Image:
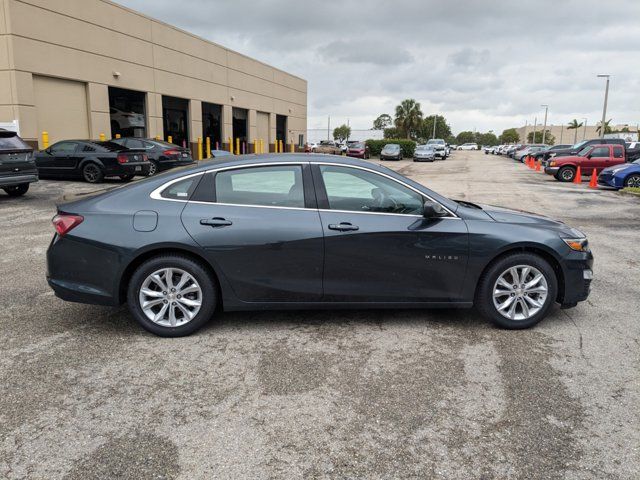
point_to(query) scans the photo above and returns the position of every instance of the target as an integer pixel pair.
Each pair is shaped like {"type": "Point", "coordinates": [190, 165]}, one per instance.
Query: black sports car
{"type": "Point", "coordinates": [91, 160]}
{"type": "Point", "coordinates": [284, 231]}
{"type": "Point", "coordinates": [162, 155]}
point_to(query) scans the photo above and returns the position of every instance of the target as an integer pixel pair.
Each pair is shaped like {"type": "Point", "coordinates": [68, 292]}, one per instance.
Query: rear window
{"type": "Point", "coordinates": [12, 142]}
{"type": "Point", "coordinates": [182, 189]}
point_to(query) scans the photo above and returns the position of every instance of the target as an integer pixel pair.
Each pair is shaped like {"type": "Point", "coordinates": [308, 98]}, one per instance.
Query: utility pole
{"type": "Point", "coordinates": [535, 124]}
{"type": "Point", "coordinates": [328, 126]}
{"type": "Point", "coordinates": [544, 129]}
{"type": "Point", "coordinates": [604, 108]}
{"type": "Point", "coordinates": [561, 132]}
{"type": "Point", "coordinates": [435, 120]}
{"type": "Point", "coordinates": [584, 132]}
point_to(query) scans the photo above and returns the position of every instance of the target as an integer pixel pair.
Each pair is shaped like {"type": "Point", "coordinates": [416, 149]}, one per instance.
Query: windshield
{"type": "Point", "coordinates": [392, 146]}
{"type": "Point", "coordinates": [435, 141]}
{"type": "Point", "coordinates": [579, 145]}
{"type": "Point", "coordinates": [422, 148]}
{"type": "Point", "coordinates": [13, 142]}
{"type": "Point", "coordinates": [357, 145]}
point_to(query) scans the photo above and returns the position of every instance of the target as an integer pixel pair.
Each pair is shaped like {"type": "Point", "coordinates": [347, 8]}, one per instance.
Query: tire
{"type": "Point", "coordinates": [92, 173]}
{"type": "Point", "coordinates": [153, 168]}
{"type": "Point", "coordinates": [566, 174]}
{"type": "Point", "coordinates": [486, 305]}
{"type": "Point", "coordinates": [17, 190]}
{"type": "Point", "coordinates": [207, 296]}
{"type": "Point", "coordinates": [127, 178]}
{"type": "Point", "coordinates": [632, 180]}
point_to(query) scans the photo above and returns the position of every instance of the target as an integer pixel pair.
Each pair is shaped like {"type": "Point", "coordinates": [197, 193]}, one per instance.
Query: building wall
{"type": "Point", "coordinates": [566, 136]}
{"type": "Point", "coordinates": [104, 44]}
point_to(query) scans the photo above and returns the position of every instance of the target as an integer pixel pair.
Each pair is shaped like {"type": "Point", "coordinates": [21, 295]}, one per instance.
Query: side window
{"type": "Point", "coordinates": [358, 190]}
{"type": "Point", "coordinates": [618, 152]}
{"type": "Point", "coordinates": [600, 152]}
{"type": "Point", "coordinates": [133, 143]}
{"type": "Point", "coordinates": [181, 190]}
{"type": "Point", "coordinates": [63, 148]}
{"type": "Point", "coordinates": [273, 186]}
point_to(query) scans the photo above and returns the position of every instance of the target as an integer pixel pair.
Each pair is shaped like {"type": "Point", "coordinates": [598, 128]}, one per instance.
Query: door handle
{"type": "Point", "coordinates": [216, 222]}
{"type": "Point", "coordinates": [343, 227]}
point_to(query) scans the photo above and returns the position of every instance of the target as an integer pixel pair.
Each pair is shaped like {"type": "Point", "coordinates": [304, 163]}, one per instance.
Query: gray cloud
{"type": "Point", "coordinates": [484, 65]}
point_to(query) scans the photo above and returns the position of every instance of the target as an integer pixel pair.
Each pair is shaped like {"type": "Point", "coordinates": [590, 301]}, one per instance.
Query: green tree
{"type": "Point", "coordinates": [510, 135]}
{"type": "Point", "coordinates": [488, 138]}
{"type": "Point", "coordinates": [574, 125]}
{"type": "Point", "coordinates": [548, 138]}
{"type": "Point", "coordinates": [451, 140]}
{"type": "Point", "coordinates": [408, 118]}
{"type": "Point", "coordinates": [465, 137]}
{"type": "Point", "coordinates": [443, 130]}
{"type": "Point", "coordinates": [341, 133]}
{"type": "Point", "coordinates": [393, 132]}
{"type": "Point", "coordinates": [607, 128]}
{"type": "Point", "coordinates": [382, 122]}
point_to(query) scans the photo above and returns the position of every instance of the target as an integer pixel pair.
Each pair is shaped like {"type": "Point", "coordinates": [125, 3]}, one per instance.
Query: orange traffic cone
{"type": "Point", "coordinates": [528, 161]}
{"type": "Point", "coordinates": [578, 178]}
{"type": "Point", "coordinates": [593, 183]}
{"type": "Point", "coordinates": [538, 166]}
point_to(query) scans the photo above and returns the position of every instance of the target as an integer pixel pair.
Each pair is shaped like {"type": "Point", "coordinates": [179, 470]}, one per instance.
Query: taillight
{"type": "Point", "coordinates": [171, 152]}
{"type": "Point", "coordinates": [123, 158]}
{"type": "Point", "coordinates": [64, 222]}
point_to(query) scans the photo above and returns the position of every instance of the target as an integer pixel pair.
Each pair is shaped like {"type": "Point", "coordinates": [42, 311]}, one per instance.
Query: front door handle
{"type": "Point", "coordinates": [344, 227]}
{"type": "Point", "coordinates": [216, 222]}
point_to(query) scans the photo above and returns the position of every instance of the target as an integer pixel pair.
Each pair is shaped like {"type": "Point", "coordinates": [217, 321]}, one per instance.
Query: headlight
{"type": "Point", "coordinates": [552, 164]}
{"type": "Point", "coordinates": [577, 244]}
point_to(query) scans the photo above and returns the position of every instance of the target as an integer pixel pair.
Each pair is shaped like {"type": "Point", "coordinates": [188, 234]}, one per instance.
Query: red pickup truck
{"type": "Point", "coordinates": [590, 157]}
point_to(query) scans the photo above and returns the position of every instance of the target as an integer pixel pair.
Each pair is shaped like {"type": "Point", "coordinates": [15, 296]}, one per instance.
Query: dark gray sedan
{"type": "Point", "coordinates": [287, 231]}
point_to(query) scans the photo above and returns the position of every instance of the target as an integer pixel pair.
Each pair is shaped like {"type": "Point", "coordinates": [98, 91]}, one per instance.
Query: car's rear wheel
{"type": "Point", "coordinates": [92, 173]}
{"type": "Point", "coordinates": [172, 295]}
{"type": "Point", "coordinates": [566, 174]}
{"type": "Point", "coordinates": [17, 190]}
{"type": "Point", "coordinates": [517, 291]}
{"type": "Point", "coordinates": [632, 180]}
{"type": "Point", "coordinates": [153, 168]}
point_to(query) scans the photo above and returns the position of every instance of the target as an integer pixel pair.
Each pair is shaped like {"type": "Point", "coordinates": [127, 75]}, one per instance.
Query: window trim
{"type": "Point", "coordinates": [155, 194]}
{"type": "Point", "coordinates": [75, 150]}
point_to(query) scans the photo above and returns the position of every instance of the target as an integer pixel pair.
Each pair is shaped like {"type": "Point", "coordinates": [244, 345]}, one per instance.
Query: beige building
{"type": "Point", "coordinates": [81, 68]}
{"type": "Point", "coordinates": [563, 135]}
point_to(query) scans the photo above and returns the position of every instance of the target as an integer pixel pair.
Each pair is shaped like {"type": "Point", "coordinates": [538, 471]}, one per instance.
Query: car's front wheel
{"type": "Point", "coordinates": [17, 190]}
{"type": "Point", "coordinates": [517, 291]}
{"type": "Point", "coordinates": [632, 181]}
{"type": "Point", "coordinates": [172, 295]}
{"type": "Point", "coordinates": [566, 174]}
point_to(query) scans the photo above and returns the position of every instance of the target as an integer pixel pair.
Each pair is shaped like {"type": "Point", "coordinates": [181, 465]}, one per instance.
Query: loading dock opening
{"type": "Point", "coordinates": [212, 124]}
{"type": "Point", "coordinates": [281, 128]}
{"type": "Point", "coordinates": [127, 110]}
{"type": "Point", "coordinates": [175, 117]}
{"type": "Point", "coordinates": [240, 120]}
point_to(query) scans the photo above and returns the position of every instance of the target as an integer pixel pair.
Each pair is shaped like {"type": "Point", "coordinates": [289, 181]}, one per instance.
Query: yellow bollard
{"type": "Point", "coordinates": [170, 139]}
{"type": "Point", "coordinates": [158, 137]}
{"type": "Point", "coordinates": [281, 147]}
{"type": "Point", "coordinates": [255, 145]}
{"type": "Point", "coordinates": [199, 148]}
{"type": "Point", "coordinates": [292, 148]}
{"type": "Point", "coordinates": [208, 147]}
{"type": "Point", "coordinates": [102, 137]}
{"type": "Point", "coordinates": [261, 146]}
{"type": "Point", "coordinates": [45, 140]}
{"type": "Point", "coordinates": [118, 135]}
{"type": "Point", "coordinates": [231, 144]}
{"type": "Point", "coordinates": [238, 146]}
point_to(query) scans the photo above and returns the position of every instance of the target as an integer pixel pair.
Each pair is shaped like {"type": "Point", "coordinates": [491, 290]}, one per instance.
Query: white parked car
{"type": "Point", "coordinates": [439, 146]}
{"type": "Point", "coordinates": [124, 120]}
{"type": "Point", "coordinates": [468, 146]}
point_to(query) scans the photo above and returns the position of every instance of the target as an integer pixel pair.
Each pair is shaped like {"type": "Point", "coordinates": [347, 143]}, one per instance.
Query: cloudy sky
{"type": "Point", "coordinates": [487, 65]}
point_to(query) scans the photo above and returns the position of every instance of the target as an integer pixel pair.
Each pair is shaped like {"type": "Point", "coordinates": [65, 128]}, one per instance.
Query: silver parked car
{"type": "Point", "coordinates": [424, 153]}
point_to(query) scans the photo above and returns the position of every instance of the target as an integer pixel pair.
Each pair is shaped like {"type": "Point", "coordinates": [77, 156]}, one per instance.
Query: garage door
{"type": "Point", "coordinates": [61, 107]}
{"type": "Point", "coordinates": [262, 124]}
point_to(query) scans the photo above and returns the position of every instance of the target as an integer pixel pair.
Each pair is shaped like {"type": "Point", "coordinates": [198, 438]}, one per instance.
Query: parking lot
{"type": "Point", "coordinates": [86, 393]}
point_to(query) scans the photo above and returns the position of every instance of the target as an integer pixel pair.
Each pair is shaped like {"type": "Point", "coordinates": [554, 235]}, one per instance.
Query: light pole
{"type": "Point", "coordinates": [535, 125]}
{"type": "Point", "coordinates": [604, 108]}
{"type": "Point", "coordinates": [435, 120]}
{"type": "Point", "coordinates": [584, 132]}
{"type": "Point", "coordinates": [544, 129]}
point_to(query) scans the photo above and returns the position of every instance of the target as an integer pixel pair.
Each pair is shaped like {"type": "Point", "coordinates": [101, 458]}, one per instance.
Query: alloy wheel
{"type": "Point", "coordinates": [170, 297]}
{"type": "Point", "coordinates": [567, 174]}
{"type": "Point", "coordinates": [153, 169]}
{"type": "Point", "coordinates": [91, 173]}
{"type": "Point", "coordinates": [520, 292]}
{"type": "Point", "coordinates": [633, 181]}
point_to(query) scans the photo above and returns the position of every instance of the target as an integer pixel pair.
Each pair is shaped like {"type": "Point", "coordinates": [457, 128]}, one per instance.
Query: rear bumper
{"type": "Point", "coordinates": [167, 163]}
{"type": "Point", "coordinates": [11, 180]}
{"type": "Point", "coordinates": [138, 168]}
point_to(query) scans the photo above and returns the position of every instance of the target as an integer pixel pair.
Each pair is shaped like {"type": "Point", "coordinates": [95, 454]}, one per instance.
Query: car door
{"type": "Point", "coordinates": [378, 246]}
{"type": "Point", "coordinates": [58, 159]}
{"type": "Point", "coordinates": [598, 159]}
{"type": "Point", "coordinates": [260, 226]}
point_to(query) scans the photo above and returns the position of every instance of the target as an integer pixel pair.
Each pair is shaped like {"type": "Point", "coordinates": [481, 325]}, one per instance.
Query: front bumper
{"type": "Point", "coordinates": [421, 158]}
{"type": "Point", "coordinates": [551, 170]}
{"type": "Point", "coordinates": [578, 273]}
{"type": "Point", "coordinates": [609, 180]}
{"type": "Point", "coordinates": [11, 180]}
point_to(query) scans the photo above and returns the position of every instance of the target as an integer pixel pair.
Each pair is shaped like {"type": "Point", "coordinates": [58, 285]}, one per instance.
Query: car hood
{"type": "Point", "coordinates": [621, 168]}
{"type": "Point", "coordinates": [506, 215]}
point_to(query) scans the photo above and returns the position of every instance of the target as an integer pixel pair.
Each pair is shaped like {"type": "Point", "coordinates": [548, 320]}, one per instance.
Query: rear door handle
{"type": "Point", "coordinates": [216, 222]}
{"type": "Point", "coordinates": [343, 227]}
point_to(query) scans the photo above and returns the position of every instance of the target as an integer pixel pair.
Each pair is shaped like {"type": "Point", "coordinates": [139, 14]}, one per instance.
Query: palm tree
{"type": "Point", "coordinates": [408, 117]}
{"type": "Point", "coordinates": [607, 128]}
{"type": "Point", "coordinates": [574, 125]}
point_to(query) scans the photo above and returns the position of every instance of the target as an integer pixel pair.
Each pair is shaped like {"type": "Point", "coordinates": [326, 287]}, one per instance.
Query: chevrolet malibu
{"type": "Point", "coordinates": [291, 231]}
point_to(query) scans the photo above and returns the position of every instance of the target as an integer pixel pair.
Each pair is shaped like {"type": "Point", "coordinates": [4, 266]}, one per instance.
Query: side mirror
{"type": "Point", "coordinates": [433, 210]}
